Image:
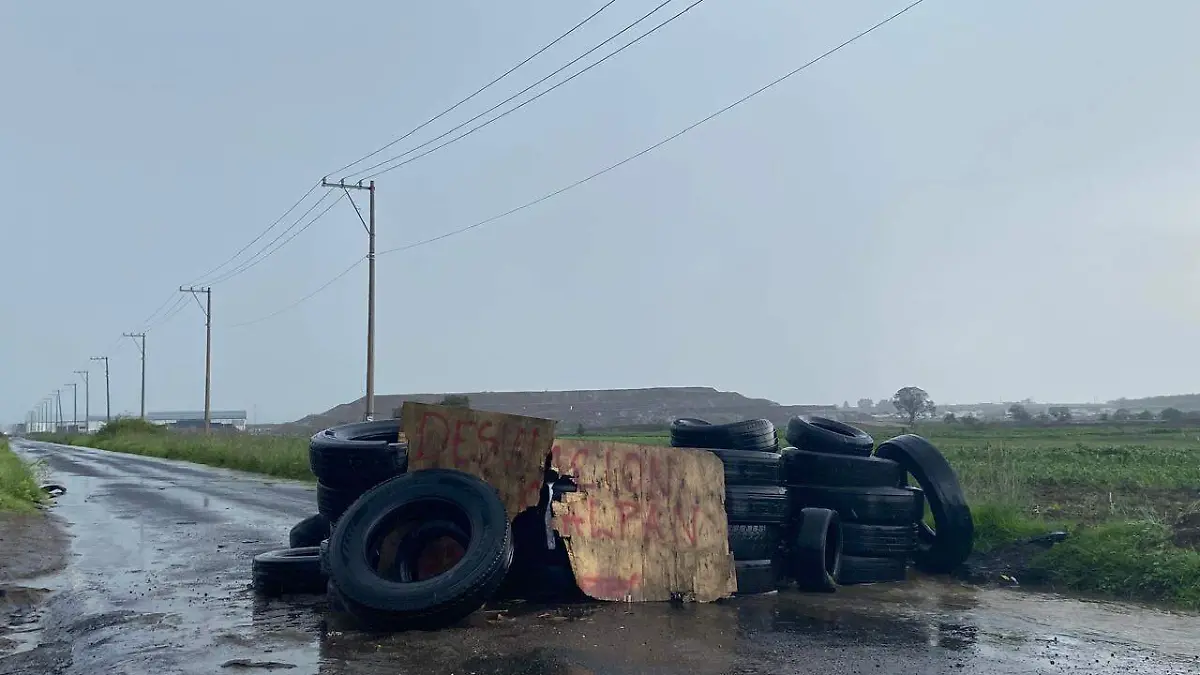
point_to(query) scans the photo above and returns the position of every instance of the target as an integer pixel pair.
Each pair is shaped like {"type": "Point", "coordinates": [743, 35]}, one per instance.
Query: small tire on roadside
{"type": "Point", "coordinates": [756, 504]}
{"type": "Point", "coordinates": [804, 467]}
{"type": "Point", "coordinates": [879, 541]}
{"type": "Point", "coordinates": [755, 577]}
{"type": "Point", "coordinates": [755, 435]}
{"type": "Point", "coordinates": [288, 571]}
{"type": "Point", "coordinates": [387, 602]}
{"type": "Point", "coordinates": [948, 544]}
{"type": "Point", "coordinates": [862, 570]}
{"type": "Point", "coordinates": [754, 542]}
{"type": "Point", "coordinates": [309, 532]}
{"type": "Point", "coordinates": [878, 506]}
{"type": "Point", "coordinates": [815, 553]}
{"type": "Point", "coordinates": [821, 434]}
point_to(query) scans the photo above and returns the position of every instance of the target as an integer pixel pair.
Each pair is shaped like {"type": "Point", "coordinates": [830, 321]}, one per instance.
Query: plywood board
{"type": "Point", "coordinates": [647, 524]}
{"type": "Point", "coordinates": [507, 451]}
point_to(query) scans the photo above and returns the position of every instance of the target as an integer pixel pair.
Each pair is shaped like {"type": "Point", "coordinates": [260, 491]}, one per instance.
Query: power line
{"type": "Point", "coordinates": [253, 261]}
{"type": "Point", "coordinates": [659, 144]}
{"type": "Point", "coordinates": [260, 235]}
{"type": "Point", "coordinates": [519, 93]}
{"type": "Point", "coordinates": [323, 286]}
{"type": "Point", "coordinates": [477, 91]}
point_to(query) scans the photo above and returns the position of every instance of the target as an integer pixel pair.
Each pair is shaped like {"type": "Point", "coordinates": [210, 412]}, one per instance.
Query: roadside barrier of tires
{"type": "Point", "coordinates": [399, 550]}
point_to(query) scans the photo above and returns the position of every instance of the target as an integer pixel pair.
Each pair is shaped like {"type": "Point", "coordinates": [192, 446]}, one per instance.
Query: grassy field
{"type": "Point", "coordinates": [1120, 491]}
{"type": "Point", "coordinates": [19, 490]}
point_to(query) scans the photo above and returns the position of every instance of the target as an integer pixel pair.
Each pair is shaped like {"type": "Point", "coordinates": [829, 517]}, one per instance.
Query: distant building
{"type": "Point", "coordinates": [194, 419]}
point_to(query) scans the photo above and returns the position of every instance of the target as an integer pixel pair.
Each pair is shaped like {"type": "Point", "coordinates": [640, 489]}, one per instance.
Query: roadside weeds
{"type": "Point", "coordinates": [19, 491]}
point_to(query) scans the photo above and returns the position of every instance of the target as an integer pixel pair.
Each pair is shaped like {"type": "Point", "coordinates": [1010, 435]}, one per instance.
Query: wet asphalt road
{"type": "Point", "coordinates": [158, 582]}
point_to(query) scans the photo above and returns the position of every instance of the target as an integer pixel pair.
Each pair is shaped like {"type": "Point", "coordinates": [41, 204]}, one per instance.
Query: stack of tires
{"type": "Point", "coordinates": [348, 460]}
{"type": "Point", "coordinates": [830, 466]}
{"type": "Point", "coordinates": [755, 500]}
{"type": "Point", "coordinates": [835, 466]}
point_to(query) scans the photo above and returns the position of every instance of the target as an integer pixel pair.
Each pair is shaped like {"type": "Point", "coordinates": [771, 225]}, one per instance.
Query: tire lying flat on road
{"type": "Point", "coordinates": [750, 467]}
{"type": "Point", "coordinates": [288, 571]}
{"type": "Point", "coordinates": [380, 598]}
{"type": "Point", "coordinates": [802, 467]}
{"type": "Point", "coordinates": [758, 435]}
{"type": "Point", "coordinates": [821, 434]}
{"type": "Point", "coordinates": [753, 542]}
{"type": "Point", "coordinates": [879, 506]}
{"type": "Point", "coordinates": [948, 544]}
{"type": "Point", "coordinates": [756, 504]}
{"type": "Point", "coordinates": [879, 541]}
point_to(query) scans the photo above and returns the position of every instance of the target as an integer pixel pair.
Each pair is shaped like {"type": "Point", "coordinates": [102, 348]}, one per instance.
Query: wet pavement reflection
{"type": "Point", "coordinates": [159, 582]}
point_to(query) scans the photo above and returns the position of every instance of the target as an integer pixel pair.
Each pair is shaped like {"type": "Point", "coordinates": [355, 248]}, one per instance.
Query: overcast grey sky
{"type": "Point", "coordinates": [985, 199]}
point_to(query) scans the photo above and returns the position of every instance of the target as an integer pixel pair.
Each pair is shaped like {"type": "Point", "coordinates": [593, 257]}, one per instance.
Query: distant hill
{"type": "Point", "coordinates": [594, 408]}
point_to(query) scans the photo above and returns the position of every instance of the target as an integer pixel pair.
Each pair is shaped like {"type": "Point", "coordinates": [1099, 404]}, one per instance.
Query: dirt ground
{"type": "Point", "coordinates": [32, 545]}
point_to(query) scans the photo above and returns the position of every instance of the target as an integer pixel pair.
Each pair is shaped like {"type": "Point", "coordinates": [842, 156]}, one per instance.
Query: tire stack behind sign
{"type": "Point", "coordinates": [755, 501]}
{"type": "Point", "coordinates": [831, 467]}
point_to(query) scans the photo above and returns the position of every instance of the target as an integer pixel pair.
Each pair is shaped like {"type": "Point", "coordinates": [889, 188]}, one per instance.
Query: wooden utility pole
{"type": "Point", "coordinates": [107, 390]}
{"type": "Point", "coordinates": [58, 413]}
{"type": "Point", "coordinates": [206, 307]}
{"type": "Point", "coordinates": [87, 401]}
{"type": "Point", "coordinates": [142, 349]}
{"type": "Point", "coordinates": [369, 226]}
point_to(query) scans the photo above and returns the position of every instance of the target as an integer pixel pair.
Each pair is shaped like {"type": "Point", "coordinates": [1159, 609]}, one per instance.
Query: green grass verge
{"type": "Point", "coordinates": [19, 491]}
{"type": "Point", "coordinates": [1118, 490]}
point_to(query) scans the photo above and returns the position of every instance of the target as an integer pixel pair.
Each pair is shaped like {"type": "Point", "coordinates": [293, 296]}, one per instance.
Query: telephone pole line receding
{"type": "Point", "coordinates": [207, 309]}
{"type": "Point", "coordinates": [87, 400]}
{"type": "Point", "coordinates": [107, 390]}
{"type": "Point", "coordinates": [369, 226]}
{"type": "Point", "coordinates": [58, 412]}
{"type": "Point", "coordinates": [142, 349]}
{"type": "Point", "coordinates": [74, 405]}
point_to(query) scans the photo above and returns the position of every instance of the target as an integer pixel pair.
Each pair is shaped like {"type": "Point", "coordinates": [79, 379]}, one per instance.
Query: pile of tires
{"type": "Point", "coordinates": [835, 467]}
{"type": "Point", "coordinates": [755, 501]}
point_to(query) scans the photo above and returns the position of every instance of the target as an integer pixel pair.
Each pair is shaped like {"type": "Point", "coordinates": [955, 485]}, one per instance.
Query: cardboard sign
{"type": "Point", "coordinates": [647, 524]}
{"type": "Point", "coordinates": [507, 451]}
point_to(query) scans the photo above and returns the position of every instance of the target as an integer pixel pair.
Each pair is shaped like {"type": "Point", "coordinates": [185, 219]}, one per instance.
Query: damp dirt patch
{"type": "Point", "coordinates": [33, 544]}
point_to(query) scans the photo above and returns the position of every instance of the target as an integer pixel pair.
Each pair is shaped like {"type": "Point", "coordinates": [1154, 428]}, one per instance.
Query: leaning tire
{"type": "Point", "coordinates": [803, 467]}
{"type": "Point", "coordinates": [288, 571]}
{"type": "Point", "coordinates": [821, 434]}
{"type": "Point", "coordinates": [755, 577]}
{"type": "Point", "coordinates": [754, 542]}
{"type": "Point", "coordinates": [358, 455]}
{"type": "Point", "coordinates": [309, 532]}
{"type": "Point", "coordinates": [333, 502]}
{"type": "Point", "coordinates": [879, 506]}
{"type": "Point", "coordinates": [860, 570]}
{"type": "Point", "coordinates": [815, 555]}
{"type": "Point", "coordinates": [756, 504]}
{"type": "Point", "coordinates": [385, 601]}
{"type": "Point", "coordinates": [750, 467]}
{"type": "Point", "coordinates": [948, 544]}
{"type": "Point", "coordinates": [879, 541]}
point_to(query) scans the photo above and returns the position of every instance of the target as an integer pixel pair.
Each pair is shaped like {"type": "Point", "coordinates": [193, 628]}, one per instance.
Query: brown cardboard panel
{"type": "Point", "coordinates": [647, 524]}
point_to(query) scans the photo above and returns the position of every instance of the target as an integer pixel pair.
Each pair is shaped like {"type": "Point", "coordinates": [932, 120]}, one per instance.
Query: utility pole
{"type": "Point", "coordinates": [75, 407]}
{"type": "Point", "coordinates": [142, 349]}
{"type": "Point", "coordinates": [107, 390]}
{"type": "Point", "coordinates": [206, 307]}
{"type": "Point", "coordinates": [370, 228]}
{"type": "Point", "coordinates": [58, 414]}
{"type": "Point", "coordinates": [87, 400]}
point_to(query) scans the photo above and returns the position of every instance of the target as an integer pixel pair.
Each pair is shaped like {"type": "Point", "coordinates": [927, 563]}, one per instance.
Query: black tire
{"type": "Point", "coordinates": [309, 532]}
{"type": "Point", "coordinates": [432, 603]}
{"type": "Point", "coordinates": [755, 577]}
{"type": "Point", "coordinates": [878, 506]}
{"type": "Point", "coordinates": [879, 541]}
{"type": "Point", "coordinates": [415, 542]}
{"type": "Point", "coordinates": [359, 455]}
{"type": "Point", "coordinates": [943, 549]}
{"type": "Point", "coordinates": [802, 467]}
{"type": "Point", "coordinates": [821, 434]}
{"type": "Point", "coordinates": [288, 571]}
{"type": "Point", "coordinates": [815, 554]}
{"type": "Point", "coordinates": [750, 467]}
{"type": "Point", "coordinates": [333, 502]}
{"type": "Point", "coordinates": [860, 570]}
{"type": "Point", "coordinates": [756, 504]}
{"type": "Point", "coordinates": [754, 542]}
{"type": "Point", "coordinates": [758, 435]}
